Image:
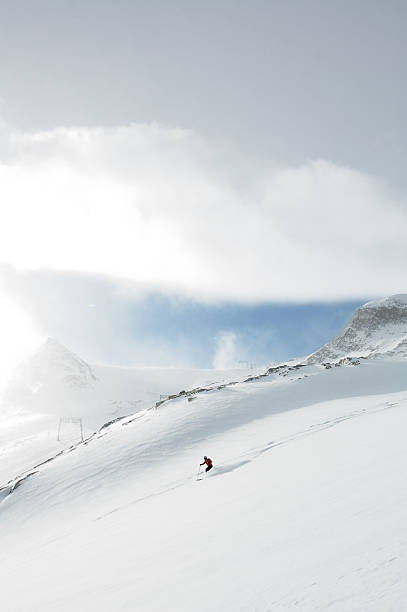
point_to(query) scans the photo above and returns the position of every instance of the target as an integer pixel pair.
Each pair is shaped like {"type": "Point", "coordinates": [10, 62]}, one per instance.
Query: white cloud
{"type": "Point", "coordinates": [226, 351]}
{"type": "Point", "coordinates": [157, 206]}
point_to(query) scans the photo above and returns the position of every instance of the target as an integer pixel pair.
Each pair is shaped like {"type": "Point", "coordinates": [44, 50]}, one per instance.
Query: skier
{"type": "Point", "coordinates": [208, 463]}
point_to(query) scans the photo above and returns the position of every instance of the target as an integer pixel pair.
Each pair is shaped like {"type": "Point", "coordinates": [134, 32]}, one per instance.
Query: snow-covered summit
{"type": "Point", "coordinates": [52, 379]}
{"type": "Point", "coordinates": [399, 300]}
{"type": "Point", "coordinates": [379, 327]}
{"type": "Point", "coordinates": [50, 364]}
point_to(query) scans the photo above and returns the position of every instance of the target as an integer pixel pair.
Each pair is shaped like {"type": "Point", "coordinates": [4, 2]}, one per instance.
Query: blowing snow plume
{"type": "Point", "coordinates": [226, 353]}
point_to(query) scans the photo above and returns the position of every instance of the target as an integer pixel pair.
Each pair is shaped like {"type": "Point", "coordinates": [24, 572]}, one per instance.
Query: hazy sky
{"type": "Point", "coordinates": [225, 155]}
{"type": "Point", "coordinates": [278, 81]}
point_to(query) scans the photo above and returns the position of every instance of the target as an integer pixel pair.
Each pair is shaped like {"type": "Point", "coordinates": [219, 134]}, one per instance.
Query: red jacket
{"type": "Point", "coordinates": [208, 462]}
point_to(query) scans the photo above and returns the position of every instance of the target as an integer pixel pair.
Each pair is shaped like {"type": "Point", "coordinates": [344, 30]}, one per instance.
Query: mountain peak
{"type": "Point", "coordinates": [50, 371]}
{"type": "Point", "coordinates": [52, 342]}
{"type": "Point", "coordinates": [51, 346]}
{"type": "Point", "coordinates": [399, 300]}
{"type": "Point", "coordinates": [379, 327]}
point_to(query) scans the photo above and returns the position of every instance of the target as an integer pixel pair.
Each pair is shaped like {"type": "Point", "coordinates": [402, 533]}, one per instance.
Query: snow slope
{"type": "Point", "coordinates": [306, 508]}
{"type": "Point", "coordinates": [26, 439]}
{"type": "Point", "coordinates": [54, 383]}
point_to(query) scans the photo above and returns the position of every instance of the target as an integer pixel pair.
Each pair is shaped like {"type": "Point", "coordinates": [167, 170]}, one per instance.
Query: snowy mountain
{"type": "Point", "coordinates": [55, 383]}
{"type": "Point", "coordinates": [377, 328]}
{"type": "Point", "coordinates": [51, 366]}
{"type": "Point", "coordinates": [305, 508]}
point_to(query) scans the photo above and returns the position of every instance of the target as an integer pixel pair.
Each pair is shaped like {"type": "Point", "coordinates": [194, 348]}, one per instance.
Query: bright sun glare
{"type": "Point", "coordinates": [18, 337]}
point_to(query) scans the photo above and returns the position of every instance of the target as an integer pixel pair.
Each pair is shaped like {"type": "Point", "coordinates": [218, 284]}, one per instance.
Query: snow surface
{"type": "Point", "coordinates": [305, 509]}
{"type": "Point", "coordinates": [26, 439]}
{"type": "Point", "coordinates": [54, 383]}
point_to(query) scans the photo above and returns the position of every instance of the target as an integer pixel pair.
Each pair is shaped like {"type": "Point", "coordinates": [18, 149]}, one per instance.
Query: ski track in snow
{"type": "Point", "coordinates": [304, 509]}
{"type": "Point", "coordinates": [254, 453]}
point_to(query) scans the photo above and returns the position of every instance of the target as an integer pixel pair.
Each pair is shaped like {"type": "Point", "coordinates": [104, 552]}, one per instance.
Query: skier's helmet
{"type": "Point", "coordinates": [205, 457]}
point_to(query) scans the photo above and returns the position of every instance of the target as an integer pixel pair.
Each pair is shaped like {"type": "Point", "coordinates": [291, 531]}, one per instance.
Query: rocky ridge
{"type": "Point", "coordinates": [378, 328]}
